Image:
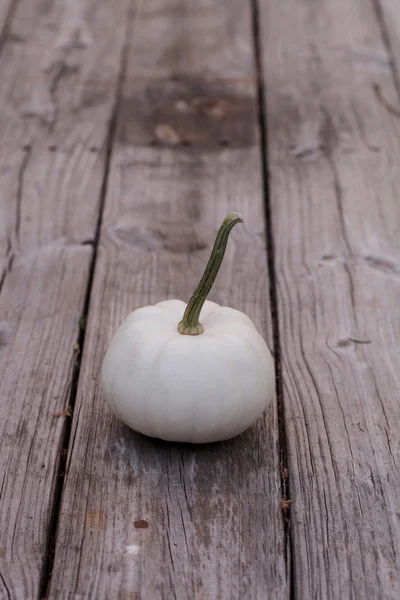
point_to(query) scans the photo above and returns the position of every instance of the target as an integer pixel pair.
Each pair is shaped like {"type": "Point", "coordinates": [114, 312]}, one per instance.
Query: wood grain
{"type": "Point", "coordinates": [40, 304]}
{"type": "Point", "coordinates": [214, 526]}
{"type": "Point", "coordinates": [7, 10]}
{"type": "Point", "coordinates": [53, 125]}
{"type": "Point", "coordinates": [389, 15]}
{"type": "Point", "coordinates": [334, 152]}
{"type": "Point", "coordinates": [59, 73]}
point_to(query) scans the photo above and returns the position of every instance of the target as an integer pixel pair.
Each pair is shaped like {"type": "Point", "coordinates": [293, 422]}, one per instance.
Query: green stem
{"type": "Point", "coordinates": [190, 324]}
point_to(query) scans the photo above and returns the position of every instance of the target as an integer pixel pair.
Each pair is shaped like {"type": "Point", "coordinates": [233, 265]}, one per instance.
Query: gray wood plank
{"type": "Point", "coordinates": [59, 72]}
{"type": "Point", "coordinates": [213, 513]}
{"type": "Point", "coordinates": [334, 152]}
{"type": "Point", "coordinates": [40, 304]}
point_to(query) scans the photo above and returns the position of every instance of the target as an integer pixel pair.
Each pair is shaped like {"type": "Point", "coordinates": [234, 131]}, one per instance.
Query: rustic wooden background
{"type": "Point", "coordinates": [128, 129]}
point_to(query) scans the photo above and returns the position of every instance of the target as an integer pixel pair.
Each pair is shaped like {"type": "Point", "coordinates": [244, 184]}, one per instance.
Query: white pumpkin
{"type": "Point", "coordinates": [192, 382]}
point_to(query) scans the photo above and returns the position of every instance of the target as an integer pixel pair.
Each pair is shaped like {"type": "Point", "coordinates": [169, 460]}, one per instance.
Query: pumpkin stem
{"type": "Point", "coordinates": [190, 324]}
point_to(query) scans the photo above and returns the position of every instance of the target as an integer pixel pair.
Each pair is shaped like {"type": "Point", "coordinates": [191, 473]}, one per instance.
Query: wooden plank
{"type": "Point", "coordinates": [40, 304]}
{"type": "Point", "coordinates": [59, 73]}
{"type": "Point", "coordinates": [214, 526]}
{"type": "Point", "coordinates": [334, 152]}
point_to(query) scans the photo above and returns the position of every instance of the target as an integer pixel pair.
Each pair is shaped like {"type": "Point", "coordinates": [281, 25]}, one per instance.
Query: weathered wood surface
{"type": "Point", "coordinates": [145, 519]}
{"type": "Point", "coordinates": [186, 153]}
{"type": "Point", "coordinates": [388, 12]}
{"type": "Point", "coordinates": [53, 128]}
{"type": "Point", "coordinates": [7, 9]}
{"type": "Point", "coordinates": [334, 155]}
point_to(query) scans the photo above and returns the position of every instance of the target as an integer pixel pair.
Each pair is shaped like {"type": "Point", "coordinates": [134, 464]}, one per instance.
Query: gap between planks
{"type": "Point", "coordinates": [282, 434]}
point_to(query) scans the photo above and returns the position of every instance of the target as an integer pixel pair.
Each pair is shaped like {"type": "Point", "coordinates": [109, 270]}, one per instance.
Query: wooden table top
{"type": "Point", "coordinates": [128, 130]}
